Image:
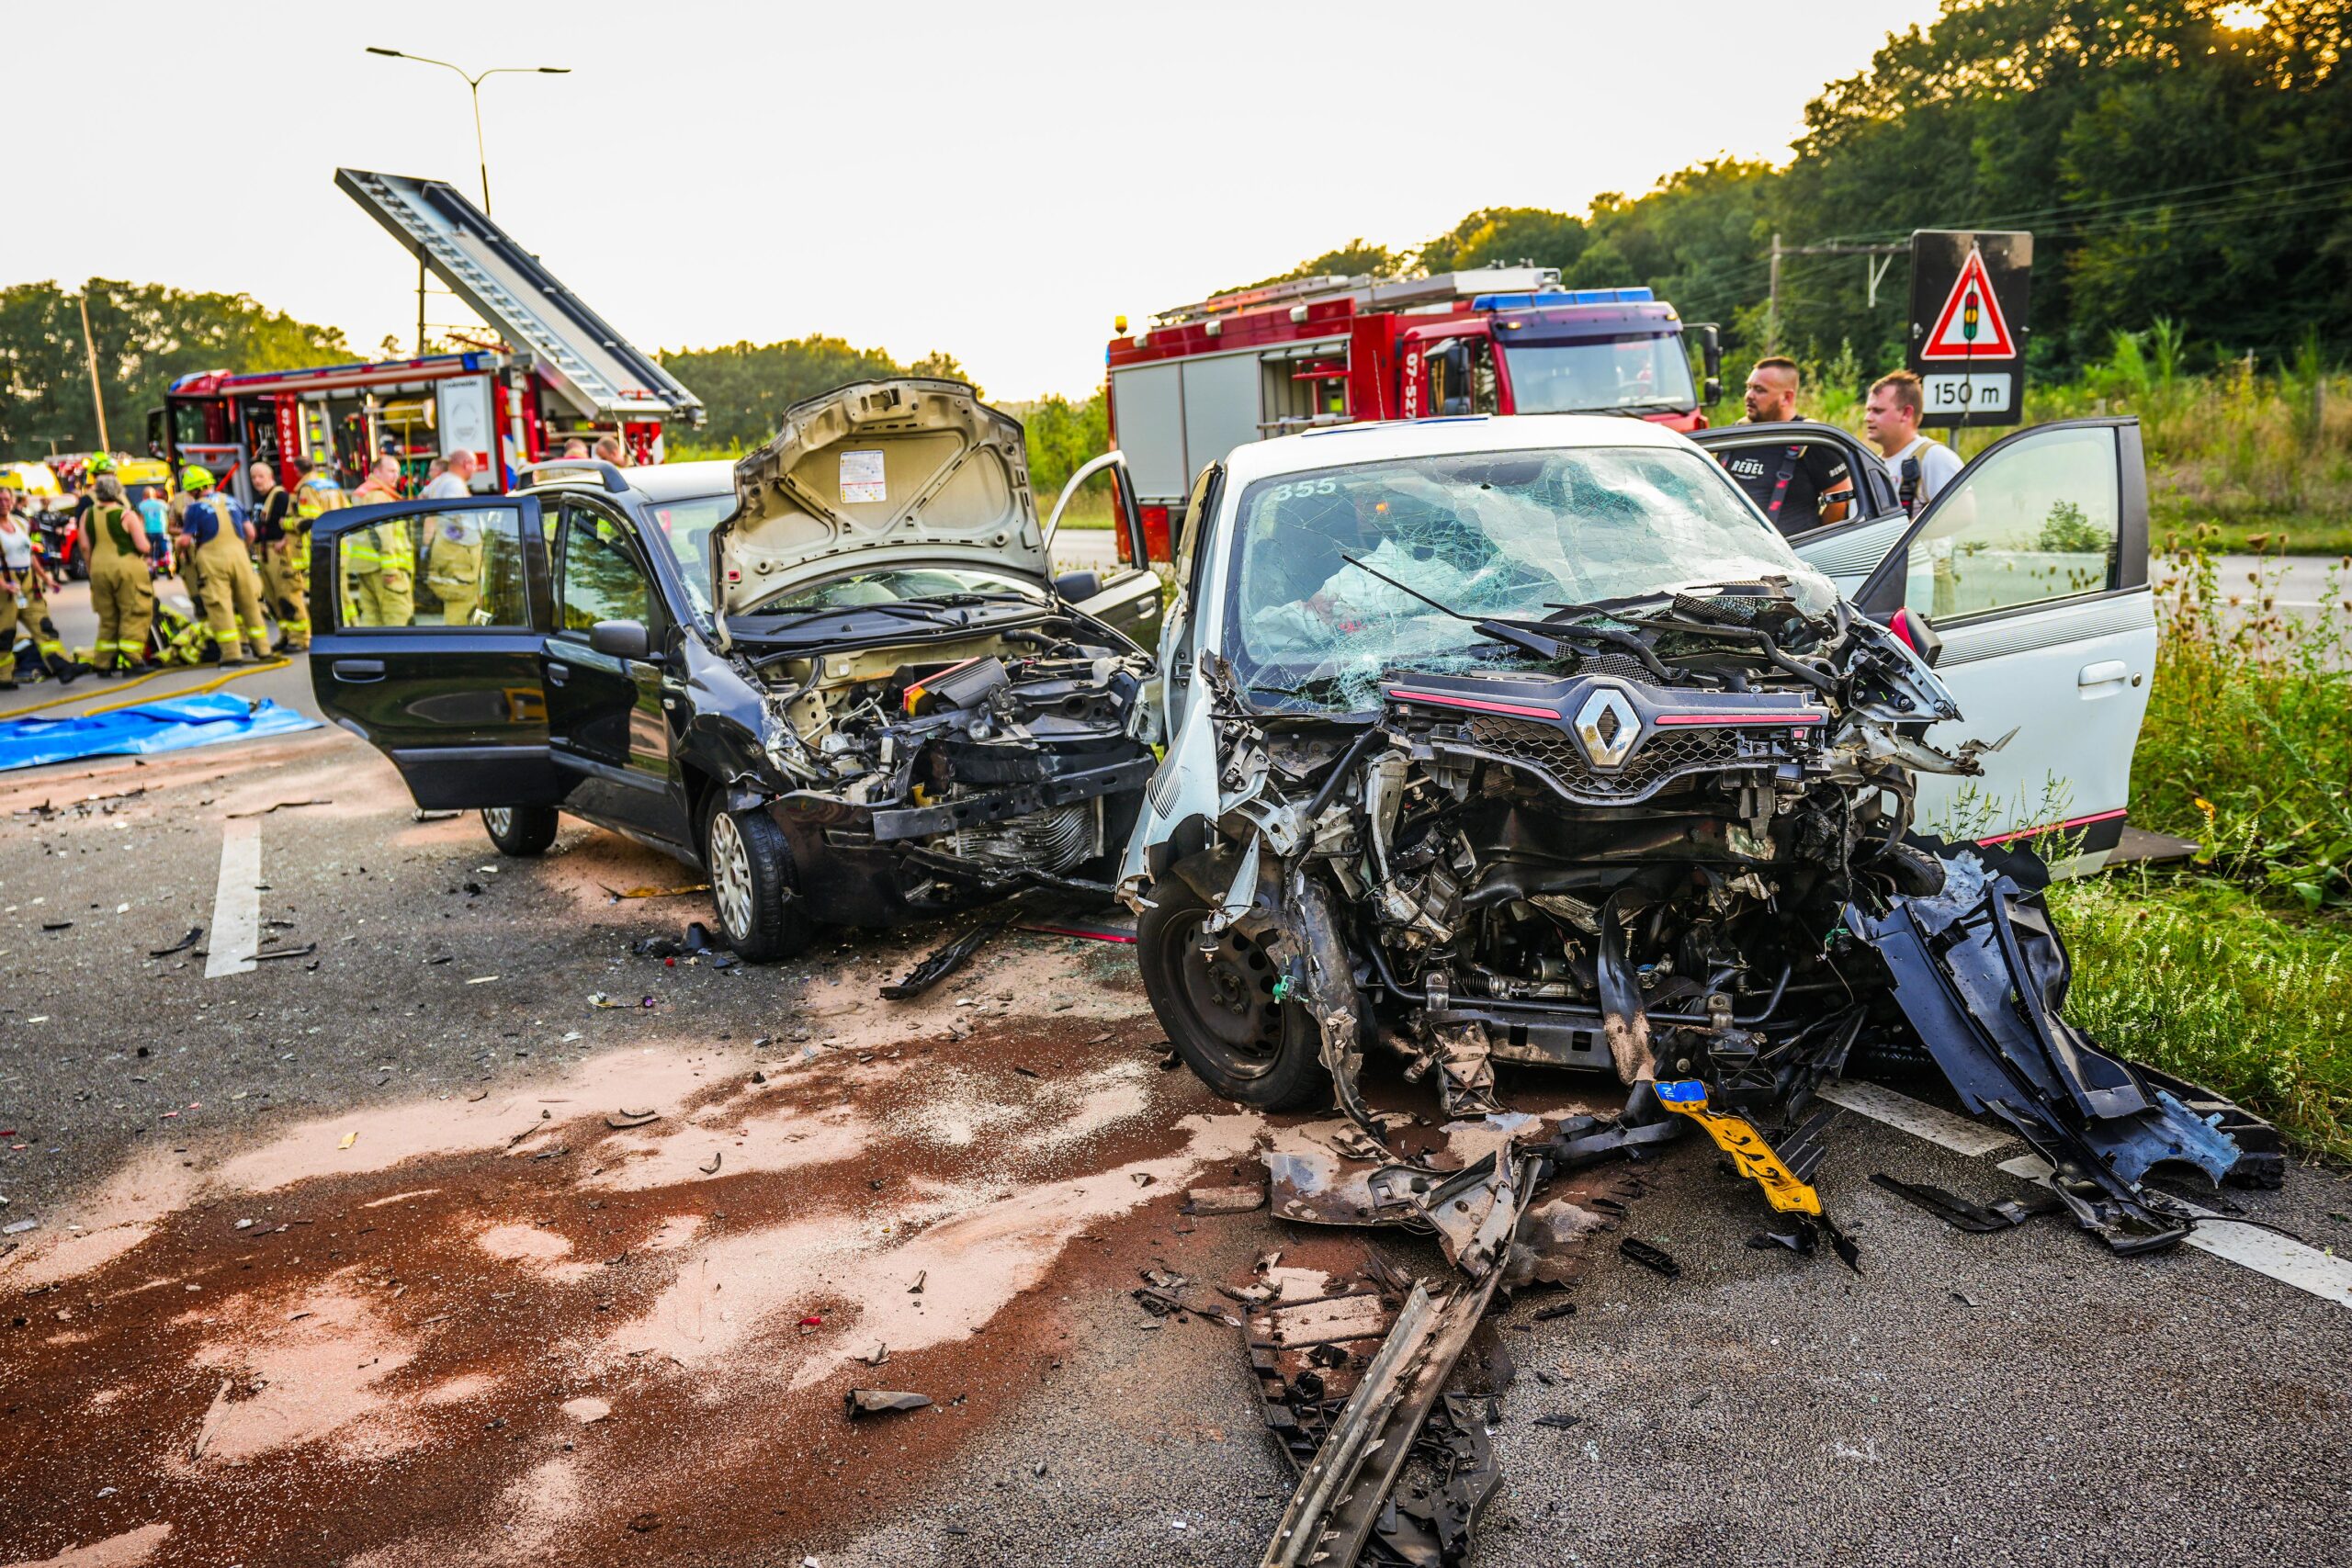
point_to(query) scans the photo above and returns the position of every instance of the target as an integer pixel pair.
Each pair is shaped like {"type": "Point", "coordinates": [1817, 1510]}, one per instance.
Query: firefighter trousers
{"type": "Point", "coordinates": [287, 585]}
{"type": "Point", "coordinates": [232, 596]}
{"type": "Point", "coordinates": [124, 596]}
{"type": "Point", "coordinates": [385, 598]}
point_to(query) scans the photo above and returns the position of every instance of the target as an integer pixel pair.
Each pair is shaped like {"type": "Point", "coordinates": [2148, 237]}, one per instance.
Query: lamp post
{"type": "Point", "coordinates": [474, 84]}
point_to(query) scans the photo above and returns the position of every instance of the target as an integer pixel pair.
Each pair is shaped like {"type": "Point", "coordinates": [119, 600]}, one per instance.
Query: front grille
{"type": "Point", "coordinates": [1664, 756]}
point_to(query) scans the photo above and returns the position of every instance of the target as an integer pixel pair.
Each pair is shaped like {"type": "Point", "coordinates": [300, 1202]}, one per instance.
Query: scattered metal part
{"type": "Point", "coordinates": [1235, 1199]}
{"type": "Point", "coordinates": [1655, 1259]}
{"type": "Point", "coordinates": [304, 951]}
{"type": "Point", "coordinates": [628, 1119]}
{"type": "Point", "coordinates": [944, 960]}
{"type": "Point", "coordinates": [195, 934]}
{"type": "Point", "coordinates": [860, 1402]}
{"type": "Point", "coordinates": [282, 806]}
{"type": "Point", "coordinates": [1960, 1215]}
{"type": "Point", "coordinates": [712, 1169]}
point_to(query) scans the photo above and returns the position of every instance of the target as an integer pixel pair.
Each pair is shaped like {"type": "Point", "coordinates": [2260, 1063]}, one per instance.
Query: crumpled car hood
{"type": "Point", "coordinates": [874, 474]}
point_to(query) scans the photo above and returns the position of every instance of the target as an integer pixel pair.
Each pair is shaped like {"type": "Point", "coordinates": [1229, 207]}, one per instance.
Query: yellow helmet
{"type": "Point", "coordinates": [194, 478]}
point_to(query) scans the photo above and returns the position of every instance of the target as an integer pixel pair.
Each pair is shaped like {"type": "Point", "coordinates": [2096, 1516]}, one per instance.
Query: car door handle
{"type": "Point", "coordinates": [2105, 672]}
{"type": "Point", "coordinates": [558, 673]}
{"type": "Point", "coordinates": [358, 669]}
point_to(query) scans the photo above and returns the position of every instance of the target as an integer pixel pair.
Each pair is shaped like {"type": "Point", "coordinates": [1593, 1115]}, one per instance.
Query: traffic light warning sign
{"type": "Point", "coordinates": [1968, 324]}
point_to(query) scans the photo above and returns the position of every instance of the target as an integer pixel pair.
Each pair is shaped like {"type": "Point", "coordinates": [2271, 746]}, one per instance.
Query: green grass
{"type": "Point", "coordinates": [2198, 976]}
{"type": "Point", "coordinates": [2236, 970]}
{"type": "Point", "coordinates": [2252, 531]}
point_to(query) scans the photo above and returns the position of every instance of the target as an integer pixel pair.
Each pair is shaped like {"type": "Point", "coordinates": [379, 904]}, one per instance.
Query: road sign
{"type": "Point", "coordinates": [1968, 324]}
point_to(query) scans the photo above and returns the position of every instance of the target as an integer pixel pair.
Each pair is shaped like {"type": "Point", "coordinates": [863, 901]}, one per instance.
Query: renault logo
{"type": "Point", "coordinates": [1607, 726]}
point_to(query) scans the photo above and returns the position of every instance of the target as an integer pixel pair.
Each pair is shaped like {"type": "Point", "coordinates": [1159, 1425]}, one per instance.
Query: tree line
{"type": "Point", "coordinates": [2181, 159]}
{"type": "Point", "coordinates": [146, 336]}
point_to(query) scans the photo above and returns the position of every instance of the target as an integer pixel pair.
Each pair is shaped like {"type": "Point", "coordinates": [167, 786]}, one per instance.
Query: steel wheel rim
{"type": "Point", "coordinates": [499, 819]}
{"type": "Point", "coordinates": [1228, 995]}
{"type": "Point", "coordinates": [730, 876]}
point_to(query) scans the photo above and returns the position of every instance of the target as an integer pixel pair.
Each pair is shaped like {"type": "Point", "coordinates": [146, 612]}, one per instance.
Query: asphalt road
{"type": "Point", "coordinates": [325, 1256]}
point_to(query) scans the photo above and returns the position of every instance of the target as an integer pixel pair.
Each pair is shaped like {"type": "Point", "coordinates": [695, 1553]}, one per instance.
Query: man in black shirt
{"type": "Point", "coordinates": [1802, 486]}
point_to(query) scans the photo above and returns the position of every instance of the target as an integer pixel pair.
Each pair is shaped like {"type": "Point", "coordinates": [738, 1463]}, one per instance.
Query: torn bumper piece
{"type": "Point", "coordinates": [1980, 974]}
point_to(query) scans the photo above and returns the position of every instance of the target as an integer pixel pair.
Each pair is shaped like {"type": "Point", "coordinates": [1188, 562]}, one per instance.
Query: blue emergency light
{"type": "Point", "coordinates": [1636, 295]}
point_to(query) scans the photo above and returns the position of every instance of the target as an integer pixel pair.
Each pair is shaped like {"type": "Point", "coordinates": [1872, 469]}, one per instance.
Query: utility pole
{"type": "Point", "coordinates": [419, 293]}
{"type": "Point", "coordinates": [90, 352]}
{"type": "Point", "coordinates": [1873, 274]}
{"type": "Point", "coordinates": [1772, 310]}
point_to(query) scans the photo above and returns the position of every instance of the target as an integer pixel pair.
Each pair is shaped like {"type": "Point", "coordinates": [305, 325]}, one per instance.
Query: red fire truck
{"type": "Point", "coordinates": [1201, 380]}
{"type": "Point", "coordinates": [557, 370]}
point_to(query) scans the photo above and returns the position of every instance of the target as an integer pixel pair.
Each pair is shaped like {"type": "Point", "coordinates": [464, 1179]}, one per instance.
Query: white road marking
{"type": "Point", "coordinates": [2249, 1246]}
{"type": "Point", "coordinates": [236, 904]}
{"type": "Point", "coordinates": [1916, 1117]}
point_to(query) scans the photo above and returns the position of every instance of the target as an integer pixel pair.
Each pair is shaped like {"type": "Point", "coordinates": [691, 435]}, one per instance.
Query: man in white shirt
{"type": "Point", "coordinates": [1919, 467]}
{"type": "Point", "coordinates": [452, 556]}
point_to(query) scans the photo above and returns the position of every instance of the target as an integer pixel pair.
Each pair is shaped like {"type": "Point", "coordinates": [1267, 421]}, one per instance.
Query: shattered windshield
{"type": "Point", "coordinates": [1489, 534]}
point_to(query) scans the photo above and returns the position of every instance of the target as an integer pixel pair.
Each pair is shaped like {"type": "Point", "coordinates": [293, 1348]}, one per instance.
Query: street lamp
{"type": "Point", "coordinates": [473, 85]}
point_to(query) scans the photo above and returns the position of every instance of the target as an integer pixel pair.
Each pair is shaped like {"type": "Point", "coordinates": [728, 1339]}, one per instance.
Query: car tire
{"type": "Point", "coordinates": [755, 886]}
{"type": "Point", "coordinates": [523, 831]}
{"type": "Point", "coordinates": [1219, 1009]}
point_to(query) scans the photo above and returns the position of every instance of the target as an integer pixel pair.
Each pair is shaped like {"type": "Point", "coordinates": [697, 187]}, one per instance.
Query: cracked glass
{"type": "Point", "coordinates": [1494, 534]}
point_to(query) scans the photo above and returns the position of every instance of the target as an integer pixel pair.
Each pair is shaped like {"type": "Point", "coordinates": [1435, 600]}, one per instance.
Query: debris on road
{"type": "Point", "coordinates": [1233, 1199]}
{"type": "Point", "coordinates": [195, 934]}
{"type": "Point", "coordinates": [614, 895]}
{"type": "Point", "coordinates": [585, 1410]}
{"type": "Point", "coordinates": [1961, 1214]}
{"type": "Point", "coordinates": [282, 806]}
{"type": "Point", "coordinates": [628, 1119]}
{"type": "Point", "coordinates": [943, 961]}
{"type": "Point", "coordinates": [1656, 1259]}
{"type": "Point", "coordinates": [863, 1402]}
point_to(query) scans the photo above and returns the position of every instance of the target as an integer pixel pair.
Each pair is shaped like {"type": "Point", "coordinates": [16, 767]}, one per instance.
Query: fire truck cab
{"type": "Point", "coordinates": [556, 371]}
{"type": "Point", "coordinates": [1200, 379]}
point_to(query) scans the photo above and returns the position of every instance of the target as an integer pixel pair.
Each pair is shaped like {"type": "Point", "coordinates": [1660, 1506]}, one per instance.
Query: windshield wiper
{"type": "Point", "coordinates": [1541, 646]}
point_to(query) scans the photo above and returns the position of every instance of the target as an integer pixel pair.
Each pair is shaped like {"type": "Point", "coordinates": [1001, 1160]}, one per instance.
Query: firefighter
{"type": "Point", "coordinates": [122, 589]}
{"type": "Point", "coordinates": [377, 560]}
{"type": "Point", "coordinates": [232, 588]}
{"type": "Point", "coordinates": [315, 494]}
{"type": "Point", "coordinates": [24, 602]}
{"type": "Point", "coordinates": [453, 545]}
{"type": "Point", "coordinates": [284, 587]}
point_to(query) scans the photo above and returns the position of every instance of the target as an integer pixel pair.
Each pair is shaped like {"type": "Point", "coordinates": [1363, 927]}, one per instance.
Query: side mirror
{"type": "Point", "coordinates": [1915, 630]}
{"type": "Point", "coordinates": [1079, 586]}
{"type": "Point", "coordinates": [621, 639]}
{"type": "Point", "coordinates": [1714, 390]}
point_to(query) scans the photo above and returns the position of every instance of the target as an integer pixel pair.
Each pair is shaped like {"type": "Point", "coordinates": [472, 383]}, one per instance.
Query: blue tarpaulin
{"type": "Point", "coordinates": [167, 724]}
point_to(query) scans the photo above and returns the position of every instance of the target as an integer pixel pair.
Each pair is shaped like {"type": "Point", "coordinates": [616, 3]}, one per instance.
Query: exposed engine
{"type": "Point", "coordinates": [987, 757]}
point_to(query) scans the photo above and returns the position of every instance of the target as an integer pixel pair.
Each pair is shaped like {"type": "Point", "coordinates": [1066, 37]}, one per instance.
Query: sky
{"type": "Point", "coordinates": [998, 181]}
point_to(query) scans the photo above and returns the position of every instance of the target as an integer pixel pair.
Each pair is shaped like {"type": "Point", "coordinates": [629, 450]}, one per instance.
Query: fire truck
{"type": "Point", "coordinates": [1198, 381]}
{"type": "Point", "coordinates": [555, 371]}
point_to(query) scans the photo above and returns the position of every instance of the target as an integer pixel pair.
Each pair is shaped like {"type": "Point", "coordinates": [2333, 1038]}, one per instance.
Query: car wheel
{"type": "Point", "coordinates": [753, 885]}
{"type": "Point", "coordinates": [523, 831]}
{"type": "Point", "coordinates": [1219, 1010]}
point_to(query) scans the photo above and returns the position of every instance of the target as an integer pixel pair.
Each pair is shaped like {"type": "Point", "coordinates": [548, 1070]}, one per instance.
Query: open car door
{"type": "Point", "coordinates": [2031, 566]}
{"type": "Point", "coordinates": [428, 620]}
{"type": "Point", "coordinates": [1850, 549]}
{"type": "Point", "coordinates": [1125, 595]}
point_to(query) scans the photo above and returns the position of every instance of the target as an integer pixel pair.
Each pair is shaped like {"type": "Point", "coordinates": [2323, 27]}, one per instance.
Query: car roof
{"type": "Point", "coordinates": [655, 482]}
{"type": "Point", "coordinates": [1340, 445]}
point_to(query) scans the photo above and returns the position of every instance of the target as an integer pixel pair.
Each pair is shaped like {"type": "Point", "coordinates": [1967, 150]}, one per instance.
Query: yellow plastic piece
{"type": "Point", "coordinates": [1752, 1156]}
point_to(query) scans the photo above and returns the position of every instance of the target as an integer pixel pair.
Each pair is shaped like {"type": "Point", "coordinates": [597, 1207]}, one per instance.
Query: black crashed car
{"type": "Point", "coordinates": [839, 677]}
